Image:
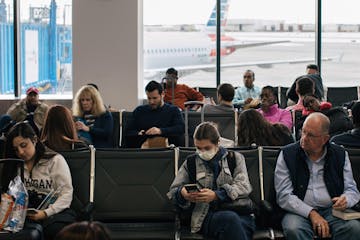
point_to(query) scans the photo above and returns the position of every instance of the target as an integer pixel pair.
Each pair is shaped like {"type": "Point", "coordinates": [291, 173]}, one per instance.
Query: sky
{"type": "Point", "coordinates": [292, 11]}
{"type": "Point", "coordinates": [169, 12]}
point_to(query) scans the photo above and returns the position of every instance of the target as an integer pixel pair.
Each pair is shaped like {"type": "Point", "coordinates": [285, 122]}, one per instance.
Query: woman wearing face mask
{"type": "Point", "coordinates": [45, 171]}
{"type": "Point", "coordinates": [217, 184]}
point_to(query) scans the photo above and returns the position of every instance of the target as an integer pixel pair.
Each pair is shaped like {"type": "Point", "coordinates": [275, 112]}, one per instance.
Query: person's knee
{"type": "Point", "coordinates": [230, 217]}
{"type": "Point", "coordinates": [352, 227]}
{"type": "Point", "coordinates": [295, 227]}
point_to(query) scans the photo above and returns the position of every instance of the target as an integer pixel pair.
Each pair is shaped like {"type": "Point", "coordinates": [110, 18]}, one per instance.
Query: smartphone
{"type": "Point", "coordinates": [190, 188]}
{"type": "Point", "coordinates": [31, 211]}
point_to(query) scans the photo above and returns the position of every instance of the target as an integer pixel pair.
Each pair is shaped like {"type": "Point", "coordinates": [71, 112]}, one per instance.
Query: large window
{"type": "Point", "coordinates": [276, 41]}
{"type": "Point", "coordinates": [180, 34]}
{"type": "Point", "coordinates": [46, 46]}
{"type": "Point", "coordinates": [6, 48]}
{"type": "Point", "coordinates": [341, 39]}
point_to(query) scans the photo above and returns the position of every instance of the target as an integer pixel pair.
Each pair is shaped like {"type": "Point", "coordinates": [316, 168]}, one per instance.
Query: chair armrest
{"type": "Point", "coordinates": [86, 212]}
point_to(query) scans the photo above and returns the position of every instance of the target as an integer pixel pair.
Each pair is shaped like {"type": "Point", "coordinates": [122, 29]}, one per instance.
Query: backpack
{"type": "Point", "coordinates": [191, 165]}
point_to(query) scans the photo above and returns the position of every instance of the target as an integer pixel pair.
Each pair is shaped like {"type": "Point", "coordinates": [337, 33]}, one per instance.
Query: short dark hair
{"type": "Point", "coordinates": [305, 86]}
{"type": "Point", "coordinates": [154, 85]}
{"type": "Point", "coordinates": [272, 90]}
{"type": "Point", "coordinates": [312, 66]}
{"type": "Point", "coordinates": [355, 110]}
{"type": "Point", "coordinates": [252, 72]}
{"type": "Point", "coordinates": [172, 71]}
{"type": "Point", "coordinates": [309, 95]}
{"type": "Point", "coordinates": [226, 91]}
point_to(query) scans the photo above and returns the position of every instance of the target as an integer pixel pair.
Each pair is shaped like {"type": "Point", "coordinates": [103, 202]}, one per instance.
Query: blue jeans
{"type": "Point", "coordinates": [298, 227]}
{"type": "Point", "coordinates": [229, 225]}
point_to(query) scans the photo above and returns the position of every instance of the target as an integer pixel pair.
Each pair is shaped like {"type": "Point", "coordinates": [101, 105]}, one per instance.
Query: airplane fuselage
{"type": "Point", "coordinates": [162, 49]}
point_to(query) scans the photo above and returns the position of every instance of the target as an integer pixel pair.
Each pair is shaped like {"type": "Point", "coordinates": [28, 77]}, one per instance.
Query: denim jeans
{"type": "Point", "coordinates": [298, 227]}
{"type": "Point", "coordinates": [228, 225]}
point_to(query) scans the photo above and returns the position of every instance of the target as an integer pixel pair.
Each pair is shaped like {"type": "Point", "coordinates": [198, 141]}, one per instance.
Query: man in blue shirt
{"type": "Point", "coordinates": [249, 93]}
{"type": "Point", "coordinates": [312, 177]}
{"type": "Point", "coordinates": [156, 119]}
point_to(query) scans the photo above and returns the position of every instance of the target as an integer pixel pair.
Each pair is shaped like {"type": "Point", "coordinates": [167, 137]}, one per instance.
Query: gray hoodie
{"type": "Point", "coordinates": [236, 187]}
{"type": "Point", "coordinates": [50, 174]}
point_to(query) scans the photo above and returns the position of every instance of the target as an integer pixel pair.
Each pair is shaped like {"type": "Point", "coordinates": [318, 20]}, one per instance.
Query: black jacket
{"type": "Point", "coordinates": [319, 89]}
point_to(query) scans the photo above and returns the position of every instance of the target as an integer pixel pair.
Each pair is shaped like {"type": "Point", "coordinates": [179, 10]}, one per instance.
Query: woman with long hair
{"type": "Point", "coordinates": [254, 129]}
{"type": "Point", "coordinates": [93, 122]}
{"type": "Point", "coordinates": [45, 172]}
{"type": "Point", "coordinates": [59, 131]}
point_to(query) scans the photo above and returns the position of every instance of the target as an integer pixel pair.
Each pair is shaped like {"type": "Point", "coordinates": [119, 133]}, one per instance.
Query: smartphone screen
{"type": "Point", "coordinates": [192, 188]}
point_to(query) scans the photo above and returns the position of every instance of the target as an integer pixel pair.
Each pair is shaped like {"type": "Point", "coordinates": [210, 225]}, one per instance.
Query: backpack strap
{"type": "Point", "coordinates": [191, 165]}
{"type": "Point", "coordinates": [231, 161]}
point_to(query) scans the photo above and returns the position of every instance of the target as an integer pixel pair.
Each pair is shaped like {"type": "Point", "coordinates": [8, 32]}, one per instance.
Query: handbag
{"type": "Point", "coordinates": [241, 205]}
{"type": "Point", "coordinates": [155, 142]}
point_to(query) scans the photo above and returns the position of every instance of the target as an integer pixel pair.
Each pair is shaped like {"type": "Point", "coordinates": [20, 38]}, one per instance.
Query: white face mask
{"type": "Point", "coordinates": [207, 155]}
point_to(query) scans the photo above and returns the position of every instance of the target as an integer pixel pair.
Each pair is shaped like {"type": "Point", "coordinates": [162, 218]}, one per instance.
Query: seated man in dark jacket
{"type": "Point", "coordinates": [312, 73]}
{"type": "Point", "coordinates": [155, 119]}
{"type": "Point", "coordinates": [312, 178]}
{"type": "Point", "coordinates": [351, 138]}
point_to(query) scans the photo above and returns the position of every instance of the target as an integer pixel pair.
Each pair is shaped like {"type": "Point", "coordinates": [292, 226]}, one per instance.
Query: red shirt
{"type": "Point", "coordinates": [183, 93]}
{"type": "Point", "coordinates": [323, 106]}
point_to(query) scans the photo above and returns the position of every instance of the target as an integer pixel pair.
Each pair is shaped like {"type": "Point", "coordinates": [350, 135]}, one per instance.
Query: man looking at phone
{"type": "Point", "coordinates": [156, 119]}
{"type": "Point", "coordinates": [312, 177]}
{"type": "Point", "coordinates": [217, 185]}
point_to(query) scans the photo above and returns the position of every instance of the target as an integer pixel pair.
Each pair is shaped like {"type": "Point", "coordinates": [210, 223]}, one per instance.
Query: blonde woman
{"type": "Point", "coordinates": [93, 122]}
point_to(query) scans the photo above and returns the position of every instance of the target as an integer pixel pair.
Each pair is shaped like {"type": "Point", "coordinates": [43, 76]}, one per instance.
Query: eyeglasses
{"type": "Point", "coordinates": [247, 76]}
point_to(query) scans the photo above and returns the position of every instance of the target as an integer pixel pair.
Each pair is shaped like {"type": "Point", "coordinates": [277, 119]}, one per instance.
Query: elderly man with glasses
{"type": "Point", "coordinates": [249, 93]}
{"type": "Point", "coordinates": [313, 177]}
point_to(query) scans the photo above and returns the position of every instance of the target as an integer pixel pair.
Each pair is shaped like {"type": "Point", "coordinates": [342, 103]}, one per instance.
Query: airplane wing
{"type": "Point", "coordinates": [241, 44]}
{"type": "Point", "coordinates": [261, 64]}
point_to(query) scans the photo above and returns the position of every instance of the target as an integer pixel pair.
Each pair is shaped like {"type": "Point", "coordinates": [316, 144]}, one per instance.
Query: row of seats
{"type": "Point", "coordinates": [336, 95]}
{"type": "Point", "coordinates": [126, 189]}
{"type": "Point", "coordinates": [227, 125]}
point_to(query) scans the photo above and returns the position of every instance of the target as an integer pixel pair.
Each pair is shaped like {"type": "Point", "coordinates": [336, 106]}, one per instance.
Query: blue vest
{"type": "Point", "coordinates": [295, 159]}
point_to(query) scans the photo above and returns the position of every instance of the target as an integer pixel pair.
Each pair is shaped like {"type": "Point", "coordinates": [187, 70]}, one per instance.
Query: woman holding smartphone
{"type": "Point", "coordinates": [45, 172]}
{"type": "Point", "coordinates": [217, 184]}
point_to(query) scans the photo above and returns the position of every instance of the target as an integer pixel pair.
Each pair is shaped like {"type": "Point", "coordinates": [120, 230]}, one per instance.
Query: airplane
{"type": "Point", "coordinates": [190, 52]}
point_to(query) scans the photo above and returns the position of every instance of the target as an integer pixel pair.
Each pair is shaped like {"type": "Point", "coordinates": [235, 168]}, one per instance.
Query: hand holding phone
{"type": "Point", "coordinates": [193, 187]}
{"type": "Point", "coordinates": [31, 211]}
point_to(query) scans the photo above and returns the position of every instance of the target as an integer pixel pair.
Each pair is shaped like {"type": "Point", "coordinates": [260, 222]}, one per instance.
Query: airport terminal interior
{"type": "Point", "coordinates": [137, 88]}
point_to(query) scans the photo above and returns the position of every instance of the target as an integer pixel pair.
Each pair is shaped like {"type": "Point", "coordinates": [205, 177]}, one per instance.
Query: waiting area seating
{"type": "Point", "coordinates": [126, 189]}
{"type": "Point", "coordinates": [340, 95]}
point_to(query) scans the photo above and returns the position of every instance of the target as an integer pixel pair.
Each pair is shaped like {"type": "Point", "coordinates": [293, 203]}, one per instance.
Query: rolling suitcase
{"type": "Point", "coordinates": [9, 169]}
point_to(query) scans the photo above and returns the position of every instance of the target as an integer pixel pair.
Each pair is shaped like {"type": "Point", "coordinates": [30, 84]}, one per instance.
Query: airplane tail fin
{"type": "Point", "coordinates": [224, 11]}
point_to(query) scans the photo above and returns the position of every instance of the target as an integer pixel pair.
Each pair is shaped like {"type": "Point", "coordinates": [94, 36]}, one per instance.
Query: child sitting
{"type": "Point", "coordinates": [312, 104]}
